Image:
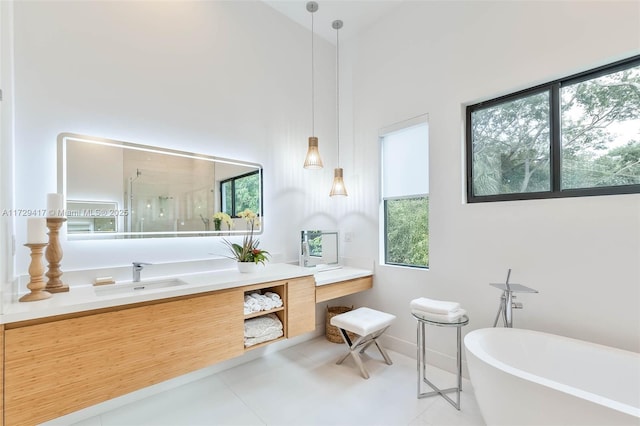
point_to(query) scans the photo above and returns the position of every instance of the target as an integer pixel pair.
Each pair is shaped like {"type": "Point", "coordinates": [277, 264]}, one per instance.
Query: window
{"type": "Point", "coordinates": [405, 194]}
{"type": "Point", "coordinates": [571, 137]}
{"type": "Point", "coordinates": [240, 193]}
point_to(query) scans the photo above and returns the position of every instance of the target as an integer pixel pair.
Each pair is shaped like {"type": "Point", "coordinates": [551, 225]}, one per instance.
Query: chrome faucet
{"type": "Point", "coordinates": [507, 305]}
{"type": "Point", "coordinates": [137, 268]}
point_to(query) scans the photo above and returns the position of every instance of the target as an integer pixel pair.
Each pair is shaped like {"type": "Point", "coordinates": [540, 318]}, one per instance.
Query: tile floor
{"type": "Point", "coordinates": [302, 385]}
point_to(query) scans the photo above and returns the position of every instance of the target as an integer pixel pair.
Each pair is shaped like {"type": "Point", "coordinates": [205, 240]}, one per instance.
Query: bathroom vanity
{"type": "Point", "coordinates": [82, 348]}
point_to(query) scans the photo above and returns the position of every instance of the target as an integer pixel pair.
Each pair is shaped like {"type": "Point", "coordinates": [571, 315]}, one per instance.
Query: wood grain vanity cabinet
{"type": "Point", "coordinates": [57, 365]}
{"type": "Point", "coordinates": [301, 313]}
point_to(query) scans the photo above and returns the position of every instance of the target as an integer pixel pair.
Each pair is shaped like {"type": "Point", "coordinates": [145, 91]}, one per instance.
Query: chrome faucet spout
{"type": "Point", "coordinates": [137, 268]}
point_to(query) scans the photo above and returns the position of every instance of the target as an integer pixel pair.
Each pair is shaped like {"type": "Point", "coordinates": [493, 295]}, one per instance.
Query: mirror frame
{"type": "Point", "coordinates": [62, 187]}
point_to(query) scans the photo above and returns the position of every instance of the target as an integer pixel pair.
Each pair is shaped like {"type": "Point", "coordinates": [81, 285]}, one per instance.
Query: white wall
{"type": "Point", "coordinates": [582, 254]}
{"type": "Point", "coordinates": [6, 146]}
{"type": "Point", "coordinates": [230, 79]}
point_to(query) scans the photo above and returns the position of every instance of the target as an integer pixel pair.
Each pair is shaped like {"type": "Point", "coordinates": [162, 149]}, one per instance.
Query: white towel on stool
{"type": "Point", "coordinates": [450, 317]}
{"type": "Point", "coordinates": [434, 306]}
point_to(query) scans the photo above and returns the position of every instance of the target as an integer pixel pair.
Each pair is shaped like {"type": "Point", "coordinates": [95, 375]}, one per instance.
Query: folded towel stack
{"type": "Point", "coordinates": [437, 310]}
{"type": "Point", "coordinates": [262, 329]}
{"type": "Point", "coordinates": [256, 302]}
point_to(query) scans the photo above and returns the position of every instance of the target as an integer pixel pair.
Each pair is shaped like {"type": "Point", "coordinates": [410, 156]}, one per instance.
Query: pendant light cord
{"type": "Point", "coordinates": [313, 102]}
{"type": "Point", "coordinates": [338, 92]}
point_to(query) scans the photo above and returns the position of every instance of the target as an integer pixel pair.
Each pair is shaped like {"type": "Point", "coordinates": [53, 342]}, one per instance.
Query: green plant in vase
{"type": "Point", "coordinates": [248, 251]}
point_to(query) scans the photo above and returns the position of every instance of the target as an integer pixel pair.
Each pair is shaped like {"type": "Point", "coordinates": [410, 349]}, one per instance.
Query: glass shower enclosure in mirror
{"type": "Point", "coordinates": [117, 189]}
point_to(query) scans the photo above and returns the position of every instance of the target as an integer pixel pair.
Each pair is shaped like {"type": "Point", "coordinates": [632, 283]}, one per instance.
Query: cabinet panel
{"type": "Point", "coordinates": [342, 288]}
{"type": "Point", "coordinates": [301, 306]}
{"type": "Point", "coordinates": [55, 368]}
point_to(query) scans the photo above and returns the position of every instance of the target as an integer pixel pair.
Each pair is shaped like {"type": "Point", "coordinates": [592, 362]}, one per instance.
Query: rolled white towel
{"type": "Point", "coordinates": [268, 303]}
{"type": "Point", "coordinates": [252, 303]}
{"type": "Point", "coordinates": [450, 317]}
{"type": "Point", "coordinates": [261, 300]}
{"type": "Point", "coordinates": [273, 296]}
{"type": "Point", "coordinates": [250, 308]}
{"type": "Point", "coordinates": [425, 304]}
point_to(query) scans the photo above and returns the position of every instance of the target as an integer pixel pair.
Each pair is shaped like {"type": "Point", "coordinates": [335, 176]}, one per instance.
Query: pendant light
{"type": "Point", "coordinates": [338, 187]}
{"type": "Point", "coordinates": [313, 160]}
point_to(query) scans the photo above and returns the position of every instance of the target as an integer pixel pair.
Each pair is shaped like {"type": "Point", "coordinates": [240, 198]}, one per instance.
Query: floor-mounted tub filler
{"type": "Point", "coordinates": [526, 377]}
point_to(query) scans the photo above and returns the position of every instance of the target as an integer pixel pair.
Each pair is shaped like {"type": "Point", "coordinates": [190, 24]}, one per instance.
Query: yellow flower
{"type": "Point", "coordinates": [222, 216]}
{"type": "Point", "coordinates": [248, 215]}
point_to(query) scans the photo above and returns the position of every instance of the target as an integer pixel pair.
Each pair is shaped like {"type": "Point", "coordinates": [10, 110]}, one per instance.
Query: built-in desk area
{"type": "Point", "coordinates": [344, 281]}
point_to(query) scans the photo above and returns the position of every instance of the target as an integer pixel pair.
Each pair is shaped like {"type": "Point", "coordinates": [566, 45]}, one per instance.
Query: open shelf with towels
{"type": "Point", "coordinates": [264, 315]}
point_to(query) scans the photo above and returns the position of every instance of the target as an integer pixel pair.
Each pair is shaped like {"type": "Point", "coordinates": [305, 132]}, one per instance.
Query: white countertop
{"type": "Point", "coordinates": [85, 298]}
{"type": "Point", "coordinates": [344, 273]}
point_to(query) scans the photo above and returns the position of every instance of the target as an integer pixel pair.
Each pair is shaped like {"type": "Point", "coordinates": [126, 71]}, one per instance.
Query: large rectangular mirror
{"type": "Point", "coordinates": [116, 189]}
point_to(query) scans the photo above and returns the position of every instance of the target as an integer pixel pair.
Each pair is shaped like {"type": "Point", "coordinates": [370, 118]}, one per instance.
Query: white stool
{"type": "Point", "coordinates": [369, 325]}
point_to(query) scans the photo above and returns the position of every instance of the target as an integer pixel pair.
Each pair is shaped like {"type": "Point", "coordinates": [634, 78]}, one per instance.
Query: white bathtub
{"type": "Point", "coordinates": [525, 377]}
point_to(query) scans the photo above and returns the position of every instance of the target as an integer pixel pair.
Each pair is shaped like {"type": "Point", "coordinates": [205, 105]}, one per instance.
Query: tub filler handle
{"type": "Point", "coordinates": [507, 305]}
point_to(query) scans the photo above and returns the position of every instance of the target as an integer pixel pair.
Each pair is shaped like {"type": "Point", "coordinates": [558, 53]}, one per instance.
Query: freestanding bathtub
{"type": "Point", "coordinates": [525, 377]}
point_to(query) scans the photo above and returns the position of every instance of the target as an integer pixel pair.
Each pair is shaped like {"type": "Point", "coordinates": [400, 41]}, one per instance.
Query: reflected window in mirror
{"type": "Point", "coordinates": [240, 193]}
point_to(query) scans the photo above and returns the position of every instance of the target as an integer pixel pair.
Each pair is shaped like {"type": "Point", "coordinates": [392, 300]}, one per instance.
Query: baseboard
{"type": "Point", "coordinates": [437, 359]}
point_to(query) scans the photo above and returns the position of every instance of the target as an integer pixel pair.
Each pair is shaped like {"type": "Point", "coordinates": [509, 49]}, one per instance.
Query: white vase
{"type": "Point", "coordinates": [247, 267]}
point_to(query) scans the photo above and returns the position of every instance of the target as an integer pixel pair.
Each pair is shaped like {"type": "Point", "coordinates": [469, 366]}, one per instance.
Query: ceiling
{"type": "Point", "coordinates": [357, 15]}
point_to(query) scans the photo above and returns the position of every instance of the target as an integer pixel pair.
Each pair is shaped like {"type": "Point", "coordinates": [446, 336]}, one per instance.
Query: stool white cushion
{"type": "Point", "coordinates": [363, 321]}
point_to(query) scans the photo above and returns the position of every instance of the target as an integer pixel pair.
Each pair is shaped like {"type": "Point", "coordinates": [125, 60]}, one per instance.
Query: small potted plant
{"type": "Point", "coordinates": [247, 254]}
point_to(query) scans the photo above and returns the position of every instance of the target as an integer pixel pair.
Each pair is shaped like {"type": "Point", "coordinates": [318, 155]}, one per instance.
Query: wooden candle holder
{"type": "Point", "coordinates": [53, 255]}
{"type": "Point", "coordinates": [36, 270]}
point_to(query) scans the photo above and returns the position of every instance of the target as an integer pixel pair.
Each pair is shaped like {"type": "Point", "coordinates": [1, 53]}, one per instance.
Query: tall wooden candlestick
{"type": "Point", "coordinates": [36, 270]}
{"type": "Point", "coordinates": [54, 256]}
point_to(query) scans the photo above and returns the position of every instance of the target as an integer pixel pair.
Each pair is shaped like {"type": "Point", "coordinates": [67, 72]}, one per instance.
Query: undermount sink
{"type": "Point", "coordinates": [134, 287]}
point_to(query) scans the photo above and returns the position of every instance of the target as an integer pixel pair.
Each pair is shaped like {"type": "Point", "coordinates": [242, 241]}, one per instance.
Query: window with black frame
{"type": "Point", "coordinates": [575, 136]}
{"type": "Point", "coordinates": [240, 193]}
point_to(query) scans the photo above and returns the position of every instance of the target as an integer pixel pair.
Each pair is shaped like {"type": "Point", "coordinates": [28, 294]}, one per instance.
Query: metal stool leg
{"type": "Point", "coordinates": [384, 354]}
{"type": "Point", "coordinates": [353, 352]}
{"type": "Point", "coordinates": [365, 342]}
{"type": "Point", "coordinates": [358, 361]}
{"type": "Point", "coordinates": [421, 365]}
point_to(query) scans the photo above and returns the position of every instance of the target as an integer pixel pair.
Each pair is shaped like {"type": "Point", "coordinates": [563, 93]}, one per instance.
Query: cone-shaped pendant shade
{"type": "Point", "coordinates": [338, 187]}
{"type": "Point", "coordinates": [313, 160]}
